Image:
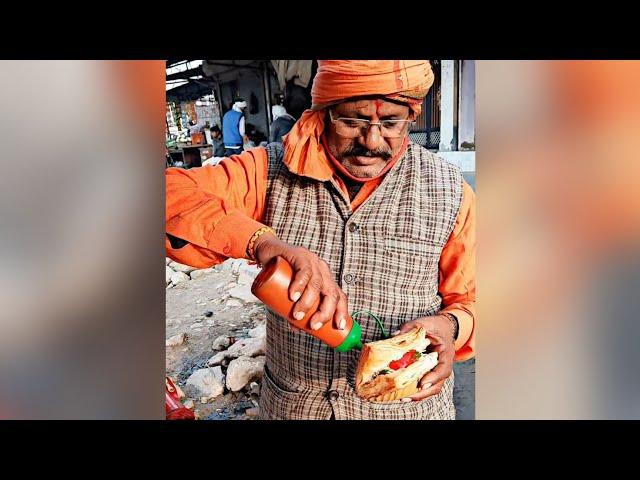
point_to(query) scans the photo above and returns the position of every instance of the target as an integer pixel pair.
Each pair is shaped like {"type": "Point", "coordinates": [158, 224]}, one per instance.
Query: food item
{"type": "Point", "coordinates": [406, 360]}
{"type": "Point", "coordinates": [390, 369]}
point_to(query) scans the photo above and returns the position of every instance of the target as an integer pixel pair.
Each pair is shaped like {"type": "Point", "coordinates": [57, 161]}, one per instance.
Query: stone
{"type": "Point", "coordinates": [243, 370]}
{"type": "Point", "coordinates": [167, 260]}
{"type": "Point", "coordinates": [176, 340]}
{"type": "Point", "coordinates": [242, 405]}
{"type": "Point", "coordinates": [179, 277]}
{"type": "Point", "coordinates": [236, 264]}
{"type": "Point", "coordinates": [258, 332]}
{"type": "Point", "coordinates": [221, 342]}
{"type": "Point", "coordinates": [252, 412]}
{"type": "Point", "coordinates": [167, 274]}
{"type": "Point", "coordinates": [244, 278]}
{"type": "Point", "coordinates": [206, 383]}
{"type": "Point", "coordinates": [208, 313]}
{"type": "Point", "coordinates": [247, 347]}
{"type": "Point", "coordinates": [200, 273]}
{"type": "Point", "coordinates": [243, 292]}
{"type": "Point", "coordinates": [248, 271]}
{"type": "Point", "coordinates": [189, 404]}
{"type": "Point", "coordinates": [225, 266]}
{"type": "Point", "coordinates": [218, 359]}
{"type": "Point", "coordinates": [254, 388]}
{"type": "Point", "coordinates": [233, 303]}
{"type": "Point", "coordinates": [179, 267]}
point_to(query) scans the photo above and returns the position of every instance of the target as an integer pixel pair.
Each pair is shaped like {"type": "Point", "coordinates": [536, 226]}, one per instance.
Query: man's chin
{"type": "Point", "coordinates": [364, 167]}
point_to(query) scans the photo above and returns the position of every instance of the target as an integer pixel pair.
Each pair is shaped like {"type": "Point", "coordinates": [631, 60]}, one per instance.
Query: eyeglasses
{"type": "Point", "coordinates": [356, 127]}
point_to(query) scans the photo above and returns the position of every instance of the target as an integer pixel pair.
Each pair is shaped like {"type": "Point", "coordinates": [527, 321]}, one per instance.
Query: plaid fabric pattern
{"type": "Point", "coordinates": [384, 256]}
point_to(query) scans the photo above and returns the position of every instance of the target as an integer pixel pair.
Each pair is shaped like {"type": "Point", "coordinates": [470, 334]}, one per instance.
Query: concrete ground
{"type": "Point", "coordinates": [464, 393]}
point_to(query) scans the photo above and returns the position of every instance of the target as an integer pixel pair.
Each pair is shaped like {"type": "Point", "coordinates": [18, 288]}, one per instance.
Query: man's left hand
{"type": "Point", "coordinates": [440, 332]}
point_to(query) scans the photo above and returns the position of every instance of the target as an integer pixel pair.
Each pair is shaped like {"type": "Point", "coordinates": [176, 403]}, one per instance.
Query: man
{"type": "Point", "coordinates": [216, 139]}
{"type": "Point", "coordinates": [364, 216]}
{"type": "Point", "coordinates": [282, 123]}
{"type": "Point", "coordinates": [252, 137]}
{"type": "Point", "coordinates": [194, 127]}
{"type": "Point", "coordinates": [233, 134]}
{"type": "Point", "coordinates": [285, 116]}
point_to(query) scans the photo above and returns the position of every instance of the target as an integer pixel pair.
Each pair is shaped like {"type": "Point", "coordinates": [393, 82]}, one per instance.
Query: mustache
{"type": "Point", "coordinates": [360, 151]}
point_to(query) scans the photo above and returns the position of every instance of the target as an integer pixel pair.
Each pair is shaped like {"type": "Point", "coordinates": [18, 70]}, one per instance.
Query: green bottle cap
{"type": "Point", "coordinates": [352, 340]}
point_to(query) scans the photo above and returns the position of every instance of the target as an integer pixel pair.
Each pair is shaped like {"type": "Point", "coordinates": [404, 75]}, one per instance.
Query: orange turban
{"type": "Point", "coordinates": [338, 80]}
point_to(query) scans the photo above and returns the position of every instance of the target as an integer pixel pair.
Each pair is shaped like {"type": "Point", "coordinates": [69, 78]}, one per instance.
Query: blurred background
{"type": "Point", "coordinates": [558, 244]}
{"type": "Point", "coordinates": [82, 312]}
{"type": "Point", "coordinates": [82, 220]}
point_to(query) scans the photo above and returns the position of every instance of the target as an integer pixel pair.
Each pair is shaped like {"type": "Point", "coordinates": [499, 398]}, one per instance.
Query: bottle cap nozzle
{"type": "Point", "coordinates": [352, 340]}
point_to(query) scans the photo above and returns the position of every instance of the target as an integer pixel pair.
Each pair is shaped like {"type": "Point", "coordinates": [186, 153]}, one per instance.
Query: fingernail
{"type": "Point", "coordinates": [407, 399]}
{"type": "Point", "coordinates": [296, 296]}
{"type": "Point", "coordinates": [316, 326]}
{"type": "Point", "coordinates": [298, 315]}
{"type": "Point", "coordinates": [397, 332]}
{"type": "Point", "coordinates": [342, 323]}
{"type": "Point", "coordinates": [425, 386]}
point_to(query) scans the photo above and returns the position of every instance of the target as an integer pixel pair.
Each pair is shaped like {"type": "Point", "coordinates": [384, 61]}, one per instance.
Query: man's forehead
{"type": "Point", "coordinates": [372, 104]}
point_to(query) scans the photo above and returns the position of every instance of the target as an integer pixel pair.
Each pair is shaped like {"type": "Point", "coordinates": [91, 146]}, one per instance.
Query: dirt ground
{"type": "Point", "coordinates": [188, 307]}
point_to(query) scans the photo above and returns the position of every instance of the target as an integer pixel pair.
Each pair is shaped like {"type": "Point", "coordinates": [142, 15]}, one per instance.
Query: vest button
{"type": "Point", "coordinates": [349, 278]}
{"type": "Point", "coordinates": [333, 395]}
{"type": "Point", "coordinates": [353, 227]}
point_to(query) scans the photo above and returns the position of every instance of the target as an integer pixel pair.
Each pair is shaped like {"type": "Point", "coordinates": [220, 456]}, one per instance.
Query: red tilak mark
{"type": "Point", "coordinates": [378, 105]}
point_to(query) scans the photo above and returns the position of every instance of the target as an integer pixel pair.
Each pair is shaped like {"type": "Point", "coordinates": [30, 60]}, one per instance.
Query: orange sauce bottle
{"type": "Point", "coordinates": [271, 286]}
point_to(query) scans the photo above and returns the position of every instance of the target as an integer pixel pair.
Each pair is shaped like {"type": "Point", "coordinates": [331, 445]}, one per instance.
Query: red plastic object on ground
{"type": "Point", "coordinates": [174, 409]}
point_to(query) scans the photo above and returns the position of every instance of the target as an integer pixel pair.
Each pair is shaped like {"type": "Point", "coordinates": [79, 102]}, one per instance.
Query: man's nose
{"type": "Point", "coordinates": [372, 139]}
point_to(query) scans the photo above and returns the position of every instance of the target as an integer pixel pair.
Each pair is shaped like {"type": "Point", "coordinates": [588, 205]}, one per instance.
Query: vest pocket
{"type": "Point", "coordinates": [412, 263]}
{"type": "Point", "coordinates": [275, 402]}
{"type": "Point", "coordinates": [436, 407]}
{"type": "Point", "coordinates": [412, 246]}
{"type": "Point", "coordinates": [277, 389]}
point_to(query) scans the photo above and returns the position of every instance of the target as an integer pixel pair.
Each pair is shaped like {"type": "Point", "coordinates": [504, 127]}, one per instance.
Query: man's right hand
{"type": "Point", "coordinates": [312, 278]}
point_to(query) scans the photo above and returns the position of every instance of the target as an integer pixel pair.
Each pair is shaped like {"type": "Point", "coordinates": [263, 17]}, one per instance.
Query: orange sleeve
{"type": "Point", "coordinates": [216, 209]}
{"type": "Point", "coordinates": [458, 275]}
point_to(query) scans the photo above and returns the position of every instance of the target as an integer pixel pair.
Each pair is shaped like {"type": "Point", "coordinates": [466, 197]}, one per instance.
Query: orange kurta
{"type": "Point", "coordinates": [216, 209]}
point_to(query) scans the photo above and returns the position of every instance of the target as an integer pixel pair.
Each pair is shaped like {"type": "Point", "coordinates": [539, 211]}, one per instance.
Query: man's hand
{"type": "Point", "coordinates": [312, 279]}
{"type": "Point", "coordinates": [440, 333]}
